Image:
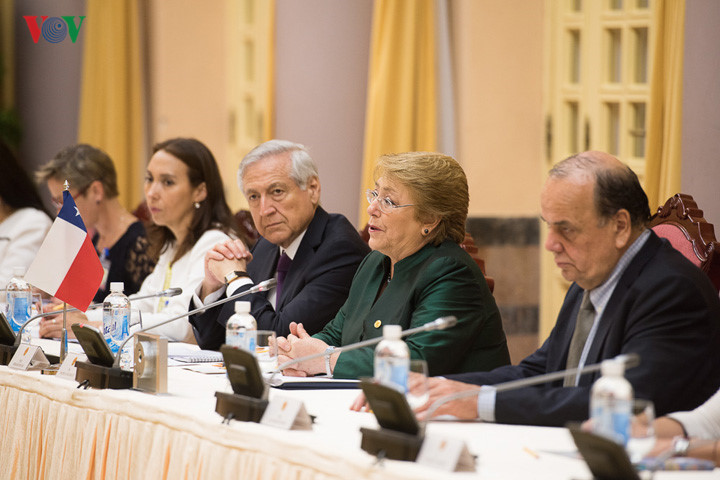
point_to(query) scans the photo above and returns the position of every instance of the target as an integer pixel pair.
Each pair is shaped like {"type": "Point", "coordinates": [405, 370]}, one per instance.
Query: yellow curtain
{"type": "Point", "coordinates": [664, 131]}
{"type": "Point", "coordinates": [112, 98]}
{"type": "Point", "coordinates": [401, 103]}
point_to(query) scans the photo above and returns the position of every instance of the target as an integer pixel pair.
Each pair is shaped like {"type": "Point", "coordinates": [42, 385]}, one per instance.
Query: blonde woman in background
{"type": "Point", "coordinates": [120, 238]}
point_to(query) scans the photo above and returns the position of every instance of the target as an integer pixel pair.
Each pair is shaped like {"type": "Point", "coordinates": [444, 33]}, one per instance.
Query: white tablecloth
{"type": "Point", "coordinates": [50, 429]}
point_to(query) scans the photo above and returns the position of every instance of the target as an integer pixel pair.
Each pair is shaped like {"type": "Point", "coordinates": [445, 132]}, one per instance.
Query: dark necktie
{"type": "Point", "coordinates": [282, 268]}
{"type": "Point", "coordinates": [583, 325]}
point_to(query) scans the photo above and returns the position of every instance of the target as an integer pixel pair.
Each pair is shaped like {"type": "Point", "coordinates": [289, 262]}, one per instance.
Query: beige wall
{"type": "Point", "coordinates": [701, 116]}
{"type": "Point", "coordinates": [321, 69]}
{"type": "Point", "coordinates": [499, 54]}
{"type": "Point", "coordinates": [320, 97]}
{"type": "Point", "coordinates": [187, 76]}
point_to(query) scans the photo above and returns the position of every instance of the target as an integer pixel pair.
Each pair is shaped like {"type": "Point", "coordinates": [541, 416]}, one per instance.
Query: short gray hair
{"type": "Point", "coordinates": [302, 165]}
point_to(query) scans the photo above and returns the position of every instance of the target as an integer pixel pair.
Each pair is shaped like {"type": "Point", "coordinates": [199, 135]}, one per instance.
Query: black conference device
{"type": "Point", "coordinates": [249, 398]}
{"type": "Point", "coordinates": [400, 436]}
{"type": "Point", "coordinates": [99, 371]}
{"type": "Point", "coordinates": [94, 344]}
{"type": "Point", "coordinates": [606, 459]}
{"type": "Point", "coordinates": [7, 340]}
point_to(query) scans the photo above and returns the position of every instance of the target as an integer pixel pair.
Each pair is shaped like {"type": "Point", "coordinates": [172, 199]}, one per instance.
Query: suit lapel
{"type": "Point", "coordinates": [264, 263]}
{"type": "Point", "coordinates": [609, 321]}
{"type": "Point", "coordinates": [295, 279]}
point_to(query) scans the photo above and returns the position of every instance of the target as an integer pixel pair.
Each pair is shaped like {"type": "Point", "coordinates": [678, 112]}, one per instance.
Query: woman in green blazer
{"type": "Point", "coordinates": [416, 273]}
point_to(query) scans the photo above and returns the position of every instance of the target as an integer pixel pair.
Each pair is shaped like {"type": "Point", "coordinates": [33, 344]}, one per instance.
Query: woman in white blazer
{"type": "Point", "coordinates": [24, 222]}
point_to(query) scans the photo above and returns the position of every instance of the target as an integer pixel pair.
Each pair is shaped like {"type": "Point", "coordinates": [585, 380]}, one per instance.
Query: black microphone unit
{"type": "Point", "coordinates": [7, 341]}
{"type": "Point", "coordinates": [248, 401]}
{"type": "Point", "coordinates": [98, 371]}
{"type": "Point", "coordinates": [400, 436]}
{"type": "Point", "coordinates": [102, 372]}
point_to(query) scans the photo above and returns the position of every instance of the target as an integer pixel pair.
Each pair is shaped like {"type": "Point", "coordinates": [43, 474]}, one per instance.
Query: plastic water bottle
{"type": "Point", "coordinates": [241, 328]}
{"type": "Point", "coordinates": [19, 300]}
{"type": "Point", "coordinates": [116, 319]}
{"type": "Point", "coordinates": [392, 359]}
{"type": "Point", "coordinates": [611, 403]}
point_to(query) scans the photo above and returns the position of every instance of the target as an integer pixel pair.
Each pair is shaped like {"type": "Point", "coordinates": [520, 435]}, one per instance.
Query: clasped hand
{"type": "Point", "coordinates": [222, 259]}
{"type": "Point", "coordinates": [300, 344]}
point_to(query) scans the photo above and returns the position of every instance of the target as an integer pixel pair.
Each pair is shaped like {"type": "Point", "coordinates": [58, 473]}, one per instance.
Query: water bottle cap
{"type": "Point", "coordinates": [18, 271]}
{"type": "Point", "coordinates": [242, 307]}
{"type": "Point", "coordinates": [117, 286]}
{"type": "Point", "coordinates": [612, 368]}
{"type": "Point", "coordinates": [392, 332]}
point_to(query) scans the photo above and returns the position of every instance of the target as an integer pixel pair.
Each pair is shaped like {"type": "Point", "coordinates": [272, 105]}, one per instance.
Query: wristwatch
{"type": "Point", "coordinates": [680, 446]}
{"type": "Point", "coordinates": [328, 351]}
{"type": "Point", "coordinates": [232, 276]}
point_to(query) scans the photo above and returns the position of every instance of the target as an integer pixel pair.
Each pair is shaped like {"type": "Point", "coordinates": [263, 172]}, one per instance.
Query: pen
{"type": "Point", "coordinates": [530, 452]}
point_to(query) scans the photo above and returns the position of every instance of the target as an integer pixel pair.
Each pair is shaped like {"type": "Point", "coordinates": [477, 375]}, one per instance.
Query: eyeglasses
{"type": "Point", "coordinates": [385, 204]}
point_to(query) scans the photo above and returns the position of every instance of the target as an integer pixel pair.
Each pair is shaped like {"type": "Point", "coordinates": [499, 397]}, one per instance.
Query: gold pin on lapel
{"type": "Point", "coordinates": [378, 324]}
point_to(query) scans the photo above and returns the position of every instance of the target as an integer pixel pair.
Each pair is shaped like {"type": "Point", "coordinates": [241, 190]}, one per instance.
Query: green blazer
{"type": "Point", "coordinates": [433, 282]}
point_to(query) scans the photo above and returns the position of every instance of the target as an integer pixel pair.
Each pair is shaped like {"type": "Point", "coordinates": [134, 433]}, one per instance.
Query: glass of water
{"type": "Point", "coordinates": [642, 433]}
{"type": "Point", "coordinates": [417, 394]}
{"type": "Point", "coordinates": [266, 350]}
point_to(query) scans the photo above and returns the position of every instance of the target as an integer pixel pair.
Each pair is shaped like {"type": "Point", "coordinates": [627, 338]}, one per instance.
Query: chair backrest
{"type": "Point", "coordinates": [681, 222]}
{"type": "Point", "coordinates": [468, 244]}
{"type": "Point", "coordinates": [246, 227]}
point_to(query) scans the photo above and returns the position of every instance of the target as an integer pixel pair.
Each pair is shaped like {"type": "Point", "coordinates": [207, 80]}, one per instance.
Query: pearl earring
{"type": "Point", "coordinates": [197, 205]}
{"type": "Point", "coordinates": [426, 231]}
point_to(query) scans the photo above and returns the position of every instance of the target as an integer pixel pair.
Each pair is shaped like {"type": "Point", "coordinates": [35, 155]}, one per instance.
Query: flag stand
{"type": "Point", "coordinates": [63, 335]}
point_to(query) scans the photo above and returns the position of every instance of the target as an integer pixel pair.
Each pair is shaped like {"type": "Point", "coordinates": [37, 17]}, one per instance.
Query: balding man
{"type": "Point", "coordinates": [631, 293]}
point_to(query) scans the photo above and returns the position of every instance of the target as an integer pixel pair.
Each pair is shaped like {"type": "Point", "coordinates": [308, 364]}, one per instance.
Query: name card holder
{"type": "Point", "coordinates": [29, 357]}
{"type": "Point", "coordinates": [287, 413]}
{"type": "Point", "coordinates": [67, 368]}
{"type": "Point", "coordinates": [449, 454]}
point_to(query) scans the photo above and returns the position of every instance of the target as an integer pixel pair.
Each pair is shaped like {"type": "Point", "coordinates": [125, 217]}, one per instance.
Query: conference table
{"type": "Point", "coordinates": [51, 429]}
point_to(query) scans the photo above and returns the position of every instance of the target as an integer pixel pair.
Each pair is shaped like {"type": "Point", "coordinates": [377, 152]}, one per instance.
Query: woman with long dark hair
{"type": "Point", "coordinates": [24, 222]}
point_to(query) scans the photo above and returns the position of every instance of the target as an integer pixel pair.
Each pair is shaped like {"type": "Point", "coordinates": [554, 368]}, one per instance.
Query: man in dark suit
{"type": "Point", "coordinates": [313, 254]}
{"type": "Point", "coordinates": [642, 295]}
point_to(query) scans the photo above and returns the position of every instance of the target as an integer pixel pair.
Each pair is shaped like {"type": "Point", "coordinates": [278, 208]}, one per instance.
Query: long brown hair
{"type": "Point", "coordinates": [213, 213]}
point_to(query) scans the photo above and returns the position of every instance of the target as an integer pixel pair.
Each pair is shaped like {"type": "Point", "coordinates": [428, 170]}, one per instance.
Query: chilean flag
{"type": "Point", "coordinates": [67, 265]}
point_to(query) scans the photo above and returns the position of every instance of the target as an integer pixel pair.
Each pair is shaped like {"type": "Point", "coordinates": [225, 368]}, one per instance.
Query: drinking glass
{"type": "Point", "coordinates": [36, 306]}
{"type": "Point", "coordinates": [266, 350]}
{"type": "Point", "coordinates": [417, 394]}
{"type": "Point", "coordinates": [642, 433]}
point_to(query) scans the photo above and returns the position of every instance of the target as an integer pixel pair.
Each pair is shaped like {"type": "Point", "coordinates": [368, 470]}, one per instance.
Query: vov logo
{"type": "Point", "coordinates": [53, 29]}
